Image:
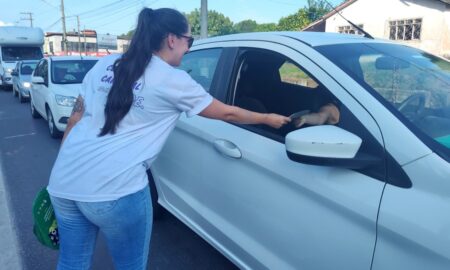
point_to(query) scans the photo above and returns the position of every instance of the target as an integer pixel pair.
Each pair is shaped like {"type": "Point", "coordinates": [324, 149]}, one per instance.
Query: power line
{"type": "Point", "coordinates": [110, 13]}
{"type": "Point", "coordinates": [53, 24]}
{"type": "Point", "coordinates": [48, 3]}
{"type": "Point", "coordinates": [102, 7]}
{"type": "Point", "coordinates": [124, 16]}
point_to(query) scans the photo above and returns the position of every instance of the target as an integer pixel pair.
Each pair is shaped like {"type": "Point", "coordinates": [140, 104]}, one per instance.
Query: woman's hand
{"type": "Point", "coordinates": [276, 120]}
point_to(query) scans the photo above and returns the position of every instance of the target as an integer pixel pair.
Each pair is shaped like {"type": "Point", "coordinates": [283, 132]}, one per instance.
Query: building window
{"type": "Point", "coordinates": [405, 29]}
{"type": "Point", "coordinates": [349, 29]}
{"type": "Point", "coordinates": [51, 47]}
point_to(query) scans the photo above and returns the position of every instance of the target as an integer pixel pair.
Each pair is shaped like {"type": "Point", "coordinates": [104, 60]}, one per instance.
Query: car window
{"type": "Point", "coordinates": [40, 69]}
{"type": "Point", "coordinates": [10, 53]}
{"type": "Point", "coordinates": [260, 88]}
{"type": "Point", "coordinates": [16, 68]}
{"type": "Point", "coordinates": [201, 65]}
{"type": "Point", "coordinates": [268, 82]}
{"type": "Point", "coordinates": [413, 83]}
{"type": "Point", "coordinates": [70, 71]}
{"type": "Point", "coordinates": [45, 71]}
{"type": "Point", "coordinates": [292, 74]}
{"type": "Point", "coordinates": [27, 68]}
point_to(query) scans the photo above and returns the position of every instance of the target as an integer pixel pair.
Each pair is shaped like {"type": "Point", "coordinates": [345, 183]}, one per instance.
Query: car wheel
{"type": "Point", "coordinates": [34, 113]}
{"type": "Point", "coordinates": [158, 210]}
{"type": "Point", "coordinates": [54, 132]}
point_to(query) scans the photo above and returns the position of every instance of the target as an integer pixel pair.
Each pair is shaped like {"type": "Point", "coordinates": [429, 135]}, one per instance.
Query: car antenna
{"type": "Point", "coordinates": [367, 35]}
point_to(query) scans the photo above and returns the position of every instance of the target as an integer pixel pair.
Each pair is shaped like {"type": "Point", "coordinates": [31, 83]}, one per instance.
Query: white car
{"type": "Point", "coordinates": [56, 83]}
{"type": "Point", "coordinates": [21, 78]}
{"type": "Point", "coordinates": [371, 192]}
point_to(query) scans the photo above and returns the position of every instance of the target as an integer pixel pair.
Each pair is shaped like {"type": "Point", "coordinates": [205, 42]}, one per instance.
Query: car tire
{"type": "Point", "coordinates": [54, 132]}
{"type": "Point", "coordinates": [158, 210]}
{"type": "Point", "coordinates": [34, 113]}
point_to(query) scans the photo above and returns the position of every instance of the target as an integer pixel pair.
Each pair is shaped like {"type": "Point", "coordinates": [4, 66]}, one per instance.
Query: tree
{"type": "Point", "coordinates": [294, 22]}
{"type": "Point", "coordinates": [266, 27]}
{"type": "Point", "coordinates": [317, 8]}
{"type": "Point", "coordinates": [128, 35]}
{"type": "Point", "coordinates": [245, 26]}
{"type": "Point", "coordinates": [304, 16]}
{"type": "Point", "coordinates": [218, 24]}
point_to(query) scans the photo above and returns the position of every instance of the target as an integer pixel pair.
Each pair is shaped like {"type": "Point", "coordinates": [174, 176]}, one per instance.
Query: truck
{"type": "Point", "coordinates": [18, 43]}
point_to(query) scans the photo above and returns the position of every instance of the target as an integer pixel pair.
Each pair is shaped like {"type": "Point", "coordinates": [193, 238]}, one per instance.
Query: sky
{"type": "Point", "coordinates": [119, 16]}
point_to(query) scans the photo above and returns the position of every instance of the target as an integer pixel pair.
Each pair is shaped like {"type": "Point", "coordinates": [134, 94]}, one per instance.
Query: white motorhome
{"type": "Point", "coordinates": [18, 43]}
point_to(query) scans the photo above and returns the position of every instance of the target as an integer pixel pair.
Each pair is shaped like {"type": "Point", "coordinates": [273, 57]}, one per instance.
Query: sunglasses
{"type": "Point", "coordinates": [189, 39]}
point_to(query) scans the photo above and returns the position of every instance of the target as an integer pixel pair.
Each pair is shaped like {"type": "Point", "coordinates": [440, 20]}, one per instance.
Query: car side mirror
{"type": "Point", "coordinates": [37, 80]}
{"type": "Point", "coordinates": [327, 145]}
{"type": "Point", "coordinates": [14, 73]}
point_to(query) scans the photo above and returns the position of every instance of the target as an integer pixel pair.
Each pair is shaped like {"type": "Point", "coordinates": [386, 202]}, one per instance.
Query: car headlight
{"type": "Point", "coordinates": [9, 70]}
{"type": "Point", "coordinates": [65, 100]}
{"type": "Point", "coordinates": [26, 84]}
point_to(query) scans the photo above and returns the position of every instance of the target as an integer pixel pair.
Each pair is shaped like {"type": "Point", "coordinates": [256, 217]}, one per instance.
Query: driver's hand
{"type": "Point", "coordinates": [276, 120]}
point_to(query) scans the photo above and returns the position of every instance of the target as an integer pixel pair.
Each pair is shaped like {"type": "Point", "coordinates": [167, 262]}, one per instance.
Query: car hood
{"type": "Point", "coordinates": [9, 65]}
{"type": "Point", "coordinates": [71, 90]}
{"type": "Point", "coordinates": [25, 78]}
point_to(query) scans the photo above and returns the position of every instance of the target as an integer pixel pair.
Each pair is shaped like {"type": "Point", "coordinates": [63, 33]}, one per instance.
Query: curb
{"type": "Point", "coordinates": [9, 252]}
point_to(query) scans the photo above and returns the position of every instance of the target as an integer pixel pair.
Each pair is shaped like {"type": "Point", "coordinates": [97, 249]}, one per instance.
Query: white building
{"type": "Point", "coordinates": [423, 24]}
{"type": "Point", "coordinates": [87, 42]}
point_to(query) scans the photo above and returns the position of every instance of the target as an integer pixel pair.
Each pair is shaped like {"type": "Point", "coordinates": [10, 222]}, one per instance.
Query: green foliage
{"type": "Point", "coordinates": [304, 16]}
{"type": "Point", "coordinates": [294, 22]}
{"type": "Point", "coordinates": [127, 35]}
{"type": "Point", "coordinates": [316, 9]}
{"type": "Point", "coordinates": [246, 26]}
{"type": "Point", "coordinates": [218, 24]}
{"type": "Point", "coordinates": [266, 27]}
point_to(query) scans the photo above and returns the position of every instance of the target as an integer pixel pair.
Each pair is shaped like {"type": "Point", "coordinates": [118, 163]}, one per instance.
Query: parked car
{"type": "Point", "coordinates": [56, 83]}
{"type": "Point", "coordinates": [371, 192]}
{"type": "Point", "coordinates": [21, 78]}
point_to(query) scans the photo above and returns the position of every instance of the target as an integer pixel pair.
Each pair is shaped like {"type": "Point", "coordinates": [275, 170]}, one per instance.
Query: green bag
{"type": "Point", "coordinates": [45, 227]}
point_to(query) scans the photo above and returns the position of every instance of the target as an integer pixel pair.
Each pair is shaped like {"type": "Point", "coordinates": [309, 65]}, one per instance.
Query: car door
{"type": "Point", "coordinates": [175, 177]}
{"type": "Point", "coordinates": [43, 89]}
{"type": "Point", "coordinates": [15, 78]}
{"type": "Point", "coordinates": [265, 211]}
{"type": "Point", "coordinates": [37, 89]}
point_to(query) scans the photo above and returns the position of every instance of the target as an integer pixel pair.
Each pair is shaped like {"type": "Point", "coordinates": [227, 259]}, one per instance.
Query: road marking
{"type": "Point", "coordinates": [20, 135]}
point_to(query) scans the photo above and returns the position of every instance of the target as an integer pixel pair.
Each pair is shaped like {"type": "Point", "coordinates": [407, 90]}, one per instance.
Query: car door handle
{"type": "Point", "coordinates": [227, 148]}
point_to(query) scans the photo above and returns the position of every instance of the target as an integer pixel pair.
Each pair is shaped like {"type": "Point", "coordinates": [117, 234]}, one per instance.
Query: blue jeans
{"type": "Point", "coordinates": [126, 224]}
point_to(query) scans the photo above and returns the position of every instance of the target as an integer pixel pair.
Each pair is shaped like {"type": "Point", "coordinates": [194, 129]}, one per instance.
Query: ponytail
{"type": "Point", "coordinates": [153, 26]}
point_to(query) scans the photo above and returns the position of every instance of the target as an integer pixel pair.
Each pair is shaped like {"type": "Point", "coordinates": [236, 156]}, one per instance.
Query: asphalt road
{"type": "Point", "coordinates": [27, 155]}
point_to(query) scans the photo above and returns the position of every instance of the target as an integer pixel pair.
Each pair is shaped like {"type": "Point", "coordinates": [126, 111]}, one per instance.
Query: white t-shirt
{"type": "Point", "coordinates": [90, 168]}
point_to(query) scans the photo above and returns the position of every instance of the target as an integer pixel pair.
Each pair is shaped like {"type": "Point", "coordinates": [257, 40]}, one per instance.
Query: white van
{"type": "Point", "coordinates": [18, 43]}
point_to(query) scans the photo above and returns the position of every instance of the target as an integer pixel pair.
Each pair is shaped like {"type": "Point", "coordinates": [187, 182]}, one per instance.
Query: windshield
{"type": "Point", "coordinates": [415, 83]}
{"type": "Point", "coordinates": [27, 68]}
{"type": "Point", "coordinates": [21, 53]}
{"type": "Point", "coordinates": [70, 71]}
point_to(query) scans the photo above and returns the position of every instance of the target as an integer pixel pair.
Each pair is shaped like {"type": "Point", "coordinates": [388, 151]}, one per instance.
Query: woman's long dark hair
{"type": "Point", "coordinates": [153, 26]}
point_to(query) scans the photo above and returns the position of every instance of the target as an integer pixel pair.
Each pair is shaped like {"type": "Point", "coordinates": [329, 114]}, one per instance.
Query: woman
{"type": "Point", "coordinates": [127, 107]}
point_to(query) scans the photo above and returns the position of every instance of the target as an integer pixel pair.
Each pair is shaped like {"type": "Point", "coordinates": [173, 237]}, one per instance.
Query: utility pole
{"type": "Point", "coordinates": [30, 17]}
{"type": "Point", "coordinates": [79, 36]}
{"type": "Point", "coordinates": [63, 18]}
{"type": "Point", "coordinates": [84, 34]}
{"type": "Point", "coordinates": [204, 19]}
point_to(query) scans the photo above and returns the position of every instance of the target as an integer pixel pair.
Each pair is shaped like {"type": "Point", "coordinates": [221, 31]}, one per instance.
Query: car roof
{"type": "Point", "coordinates": [310, 38]}
{"type": "Point", "coordinates": [72, 57]}
{"type": "Point", "coordinates": [28, 61]}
